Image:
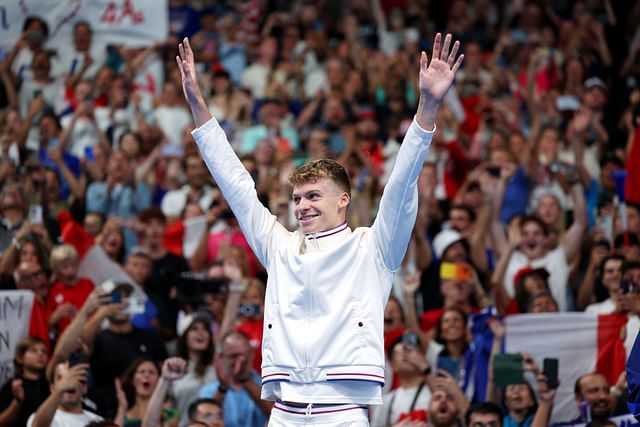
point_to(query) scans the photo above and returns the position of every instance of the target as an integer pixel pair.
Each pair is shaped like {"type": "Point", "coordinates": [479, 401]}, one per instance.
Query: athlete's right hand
{"type": "Point", "coordinates": [187, 67]}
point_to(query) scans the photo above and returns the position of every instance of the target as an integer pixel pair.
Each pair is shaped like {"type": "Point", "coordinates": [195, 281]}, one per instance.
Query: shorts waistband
{"type": "Point", "coordinates": [317, 408]}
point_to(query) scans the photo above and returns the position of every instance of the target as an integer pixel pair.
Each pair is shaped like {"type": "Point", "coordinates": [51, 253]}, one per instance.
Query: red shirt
{"type": "Point", "coordinates": [38, 326]}
{"type": "Point", "coordinates": [61, 293]}
{"type": "Point", "coordinates": [253, 330]}
{"type": "Point", "coordinates": [218, 239]}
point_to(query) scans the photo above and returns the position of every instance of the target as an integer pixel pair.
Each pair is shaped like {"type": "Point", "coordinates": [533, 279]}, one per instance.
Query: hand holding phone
{"type": "Point", "coordinates": [35, 214]}
{"type": "Point", "coordinates": [116, 297]}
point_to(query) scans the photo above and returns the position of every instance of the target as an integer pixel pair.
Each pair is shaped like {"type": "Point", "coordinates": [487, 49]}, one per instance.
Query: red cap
{"type": "Point", "coordinates": [526, 271]}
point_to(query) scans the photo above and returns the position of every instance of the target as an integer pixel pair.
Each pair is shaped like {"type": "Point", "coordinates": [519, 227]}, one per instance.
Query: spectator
{"type": "Point", "coordinates": [22, 395]}
{"type": "Point", "coordinates": [12, 213]}
{"type": "Point", "coordinates": [450, 350]}
{"type": "Point", "coordinates": [31, 243]}
{"type": "Point", "coordinates": [443, 411]}
{"type": "Point", "coordinates": [119, 195]}
{"type": "Point", "coordinates": [138, 382]}
{"type": "Point", "coordinates": [255, 77]}
{"type": "Point", "coordinates": [238, 385]}
{"type": "Point", "coordinates": [138, 267]}
{"type": "Point", "coordinates": [533, 250]}
{"type": "Point", "coordinates": [69, 292]}
{"type": "Point", "coordinates": [201, 412]}
{"type": "Point", "coordinates": [35, 32]}
{"type": "Point", "coordinates": [167, 268]}
{"type": "Point", "coordinates": [614, 271]}
{"type": "Point", "coordinates": [170, 114]}
{"type": "Point", "coordinates": [460, 293]}
{"type": "Point", "coordinates": [111, 238]}
{"type": "Point", "coordinates": [196, 189]}
{"type": "Point", "coordinates": [81, 133]}
{"type": "Point", "coordinates": [244, 310]}
{"type": "Point", "coordinates": [592, 390]}
{"type": "Point", "coordinates": [83, 59]}
{"type": "Point", "coordinates": [113, 349]}
{"type": "Point", "coordinates": [412, 396]}
{"type": "Point", "coordinates": [31, 276]}
{"type": "Point", "coordinates": [207, 412]}
{"type": "Point", "coordinates": [271, 127]}
{"type": "Point", "coordinates": [483, 414]}
{"type": "Point", "coordinates": [64, 406]}
{"type": "Point", "coordinates": [450, 246]}
{"type": "Point", "coordinates": [196, 346]}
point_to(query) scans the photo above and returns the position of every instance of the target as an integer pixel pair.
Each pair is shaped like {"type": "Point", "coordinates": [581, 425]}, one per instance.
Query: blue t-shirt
{"type": "Point", "coordinates": [239, 408]}
{"type": "Point", "coordinates": [143, 321]}
{"type": "Point", "coordinates": [516, 196]}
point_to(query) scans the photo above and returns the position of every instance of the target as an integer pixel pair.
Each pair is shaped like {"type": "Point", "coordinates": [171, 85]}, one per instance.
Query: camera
{"type": "Point", "coordinates": [192, 288]}
{"type": "Point", "coordinates": [249, 310]}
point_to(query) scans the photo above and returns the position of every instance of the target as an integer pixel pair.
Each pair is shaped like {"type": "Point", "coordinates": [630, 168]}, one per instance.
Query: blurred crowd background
{"type": "Point", "coordinates": [529, 201]}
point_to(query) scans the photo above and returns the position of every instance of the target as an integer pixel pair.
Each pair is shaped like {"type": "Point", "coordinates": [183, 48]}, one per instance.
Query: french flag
{"type": "Point", "coordinates": [581, 342]}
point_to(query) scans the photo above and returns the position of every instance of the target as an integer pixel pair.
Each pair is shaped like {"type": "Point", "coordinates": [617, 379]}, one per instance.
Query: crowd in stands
{"type": "Point", "coordinates": [519, 211]}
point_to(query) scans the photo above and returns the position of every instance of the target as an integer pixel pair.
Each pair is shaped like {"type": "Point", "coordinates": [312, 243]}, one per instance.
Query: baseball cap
{"type": "Point", "coordinates": [528, 271]}
{"type": "Point", "coordinates": [444, 239]}
{"type": "Point", "coordinates": [185, 322]}
{"type": "Point", "coordinates": [110, 286]}
{"type": "Point", "coordinates": [595, 82]}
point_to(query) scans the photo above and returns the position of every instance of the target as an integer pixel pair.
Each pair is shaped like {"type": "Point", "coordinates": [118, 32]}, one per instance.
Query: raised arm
{"type": "Point", "coordinates": [190, 86]}
{"type": "Point", "coordinates": [238, 188]}
{"type": "Point", "coordinates": [399, 203]}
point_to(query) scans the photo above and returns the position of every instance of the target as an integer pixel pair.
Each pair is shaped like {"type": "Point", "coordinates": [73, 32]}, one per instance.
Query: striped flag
{"type": "Point", "coordinates": [581, 342]}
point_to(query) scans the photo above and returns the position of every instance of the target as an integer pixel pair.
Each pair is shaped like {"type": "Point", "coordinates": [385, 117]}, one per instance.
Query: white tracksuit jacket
{"type": "Point", "coordinates": [326, 292]}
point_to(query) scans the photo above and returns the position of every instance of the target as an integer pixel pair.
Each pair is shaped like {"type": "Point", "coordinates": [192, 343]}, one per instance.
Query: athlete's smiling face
{"type": "Point", "coordinates": [320, 205]}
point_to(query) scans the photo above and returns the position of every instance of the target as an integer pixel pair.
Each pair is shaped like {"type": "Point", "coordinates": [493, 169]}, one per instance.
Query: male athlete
{"type": "Point", "coordinates": [322, 351]}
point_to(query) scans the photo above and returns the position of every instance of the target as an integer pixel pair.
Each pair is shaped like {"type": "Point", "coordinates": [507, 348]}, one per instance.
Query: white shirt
{"type": "Point", "coordinates": [68, 419]}
{"type": "Point", "coordinates": [255, 78]}
{"type": "Point", "coordinates": [555, 262]}
{"type": "Point", "coordinates": [174, 201]}
{"type": "Point", "coordinates": [84, 134]}
{"type": "Point", "coordinates": [172, 121]}
{"type": "Point", "coordinates": [399, 402]}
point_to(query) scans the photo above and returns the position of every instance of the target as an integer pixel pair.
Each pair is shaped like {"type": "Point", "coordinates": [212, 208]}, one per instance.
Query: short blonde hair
{"type": "Point", "coordinates": [63, 253]}
{"type": "Point", "coordinates": [318, 169]}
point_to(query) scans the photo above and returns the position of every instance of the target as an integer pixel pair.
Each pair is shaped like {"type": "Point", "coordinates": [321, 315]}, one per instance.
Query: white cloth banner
{"type": "Point", "coordinates": [15, 314]}
{"type": "Point", "coordinates": [134, 23]}
{"type": "Point", "coordinates": [569, 337]}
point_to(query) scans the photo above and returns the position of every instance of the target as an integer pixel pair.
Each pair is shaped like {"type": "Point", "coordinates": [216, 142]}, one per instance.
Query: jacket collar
{"type": "Point", "coordinates": [326, 239]}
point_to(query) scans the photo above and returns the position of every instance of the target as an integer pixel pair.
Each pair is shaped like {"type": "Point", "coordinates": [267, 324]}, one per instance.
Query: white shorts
{"type": "Point", "coordinates": [319, 415]}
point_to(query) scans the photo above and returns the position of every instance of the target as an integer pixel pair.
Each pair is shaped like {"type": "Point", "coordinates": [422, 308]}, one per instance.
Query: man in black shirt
{"type": "Point", "coordinates": [114, 348]}
{"type": "Point", "coordinates": [161, 285]}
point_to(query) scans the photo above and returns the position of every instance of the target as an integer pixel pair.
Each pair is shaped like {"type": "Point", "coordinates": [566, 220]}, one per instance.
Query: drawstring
{"type": "Point", "coordinates": [309, 408]}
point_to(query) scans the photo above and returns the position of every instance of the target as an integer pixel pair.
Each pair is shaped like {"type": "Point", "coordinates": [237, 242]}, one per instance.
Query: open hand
{"type": "Point", "coordinates": [187, 67]}
{"type": "Point", "coordinates": [436, 77]}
